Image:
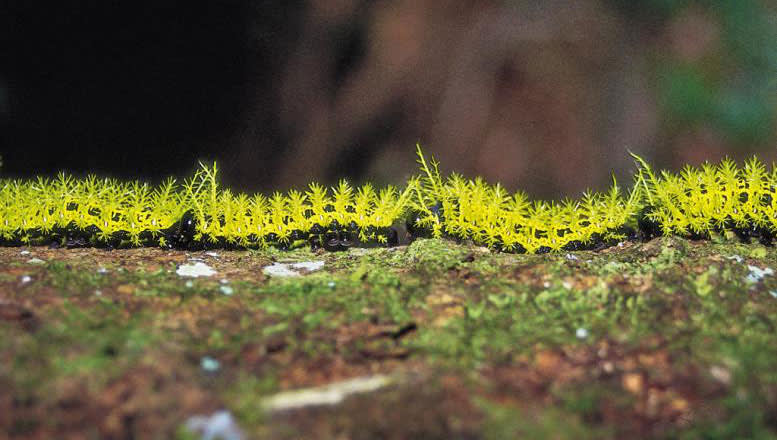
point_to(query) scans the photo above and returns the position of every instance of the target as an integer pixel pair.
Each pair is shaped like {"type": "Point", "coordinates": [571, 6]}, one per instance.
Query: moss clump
{"type": "Point", "coordinates": [697, 203]}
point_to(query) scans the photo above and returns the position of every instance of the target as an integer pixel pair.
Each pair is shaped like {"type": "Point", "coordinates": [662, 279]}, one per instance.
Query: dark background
{"type": "Point", "coordinates": [545, 96]}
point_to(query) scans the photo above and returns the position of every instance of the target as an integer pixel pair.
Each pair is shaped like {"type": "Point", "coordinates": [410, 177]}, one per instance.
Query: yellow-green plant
{"type": "Point", "coordinates": [696, 202]}
{"type": "Point", "coordinates": [489, 215]}
{"type": "Point", "coordinates": [700, 201]}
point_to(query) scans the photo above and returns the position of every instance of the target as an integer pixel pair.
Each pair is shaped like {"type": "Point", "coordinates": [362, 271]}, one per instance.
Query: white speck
{"type": "Point", "coordinates": [102, 270]}
{"type": "Point", "coordinates": [287, 269]}
{"type": "Point", "coordinates": [189, 284]}
{"type": "Point", "coordinates": [722, 374]}
{"type": "Point", "coordinates": [571, 257]}
{"type": "Point", "coordinates": [196, 259]}
{"type": "Point", "coordinates": [331, 284]}
{"type": "Point", "coordinates": [546, 284]}
{"type": "Point", "coordinates": [736, 258]}
{"type": "Point", "coordinates": [25, 279]}
{"type": "Point", "coordinates": [567, 285]}
{"type": "Point", "coordinates": [773, 293]}
{"type": "Point", "coordinates": [209, 364]}
{"type": "Point", "coordinates": [756, 273]}
{"type": "Point", "coordinates": [212, 254]}
{"type": "Point", "coordinates": [621, 244]}
{"type": "Point", "coordinates": [223, 281]}
{"type": "Point", "coordinates": [331, 394]}
{"type": "Point", "coordinates": [219, 426]}
{"type": "Point", "coordinates": [24, 253]}
{"type": "Point", "coordinates": [35, 261]}
{"type": "Point", "coordinates": [226, 290]}
{"type": "Point", "coordinates": [581, 333]}
{"type": "Point", "coordinates": [98, 292]}
{"type": "Point", "coordinates": [195, 270]}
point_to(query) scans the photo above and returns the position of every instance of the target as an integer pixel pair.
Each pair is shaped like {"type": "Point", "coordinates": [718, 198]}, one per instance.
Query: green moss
{"type": "Point", "coordinates": [504, 421]}
{"type": "Point", "coordinates": [433, 255]}
{"type": "Point", "coordinates": [476, 312]}
{"type": "Point", "coordinates": [97, 343]}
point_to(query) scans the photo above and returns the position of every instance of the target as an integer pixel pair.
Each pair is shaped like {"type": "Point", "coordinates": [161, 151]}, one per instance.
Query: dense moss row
{"type": "Point", "coordinates": [697, 202]}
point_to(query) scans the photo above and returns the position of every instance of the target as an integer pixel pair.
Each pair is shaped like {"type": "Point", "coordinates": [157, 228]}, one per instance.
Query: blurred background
{"type": "Point", "coordinates": [545, 96]}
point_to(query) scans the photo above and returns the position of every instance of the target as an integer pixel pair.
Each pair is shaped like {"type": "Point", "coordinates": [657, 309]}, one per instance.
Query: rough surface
{"type": "Point", "coordinates": [665, 339]}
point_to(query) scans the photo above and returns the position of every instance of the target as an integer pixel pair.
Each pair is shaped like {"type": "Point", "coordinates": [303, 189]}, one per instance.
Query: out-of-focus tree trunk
{"type": "Point", "coordinates": [514, 93]}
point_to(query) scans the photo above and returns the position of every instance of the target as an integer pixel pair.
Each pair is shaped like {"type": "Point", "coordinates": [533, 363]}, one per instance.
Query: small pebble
{"type": "Point", "coordinates": [223, 281]}
{"type": "Point", "coordinates": [757, 274]}
{"type": "Point", "coordinates": [25, 279]}
{"type": "Point", "coordinates": [736, 258]}
{"type": "Point", "coordinates": [581, 333]}
{"type": "Point", "coordinates": [331, 284]}
{"type": "Point", "coordinates": [219, 426]}
{"type": "Point", "coordinates": [189, 284]}
{"type": "Point", "coordinates": [209, 364]}
{"type": "Point", "coordinates": [35, 261]}
{"type": "Point", "coordinates": [102, 270]}
{"type": "Point", "coordinates": [24, 253]}
{"type": "Point", "coordinates": [571, 257]}
{"type": "Point", "coordinates": [98, 292]}
{"type": "Point", "coordinates": [722, 374]}
{"type": "Point", "coordinates": [212, 254]}
{"type": "Point", "coordinates": [226, 290]}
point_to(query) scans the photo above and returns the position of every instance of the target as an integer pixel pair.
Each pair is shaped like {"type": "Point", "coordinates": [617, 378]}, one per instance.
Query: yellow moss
{"type": "Point", "coordinates": [695, 201]}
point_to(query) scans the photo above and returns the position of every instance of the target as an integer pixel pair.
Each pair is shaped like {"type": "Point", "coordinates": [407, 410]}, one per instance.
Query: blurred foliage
{"type": "Point", "coordinates": [290, 92]}
{"type": "Point", "coordinates": [732, 85]}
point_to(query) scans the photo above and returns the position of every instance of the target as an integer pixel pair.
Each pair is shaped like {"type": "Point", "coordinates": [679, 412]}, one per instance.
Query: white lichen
{"type": "Point", "coordinates": [292, 269]}
{"type": "Point", "coordinates": [330, 394]}
{"type": "Point", "coordinates": [195, 270]}
{"type": "Point", "coordinates": [757, 274]}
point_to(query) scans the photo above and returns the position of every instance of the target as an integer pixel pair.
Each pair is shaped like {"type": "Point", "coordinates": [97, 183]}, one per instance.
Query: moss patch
{"type": "Point", "coordinates": [665, 339]}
